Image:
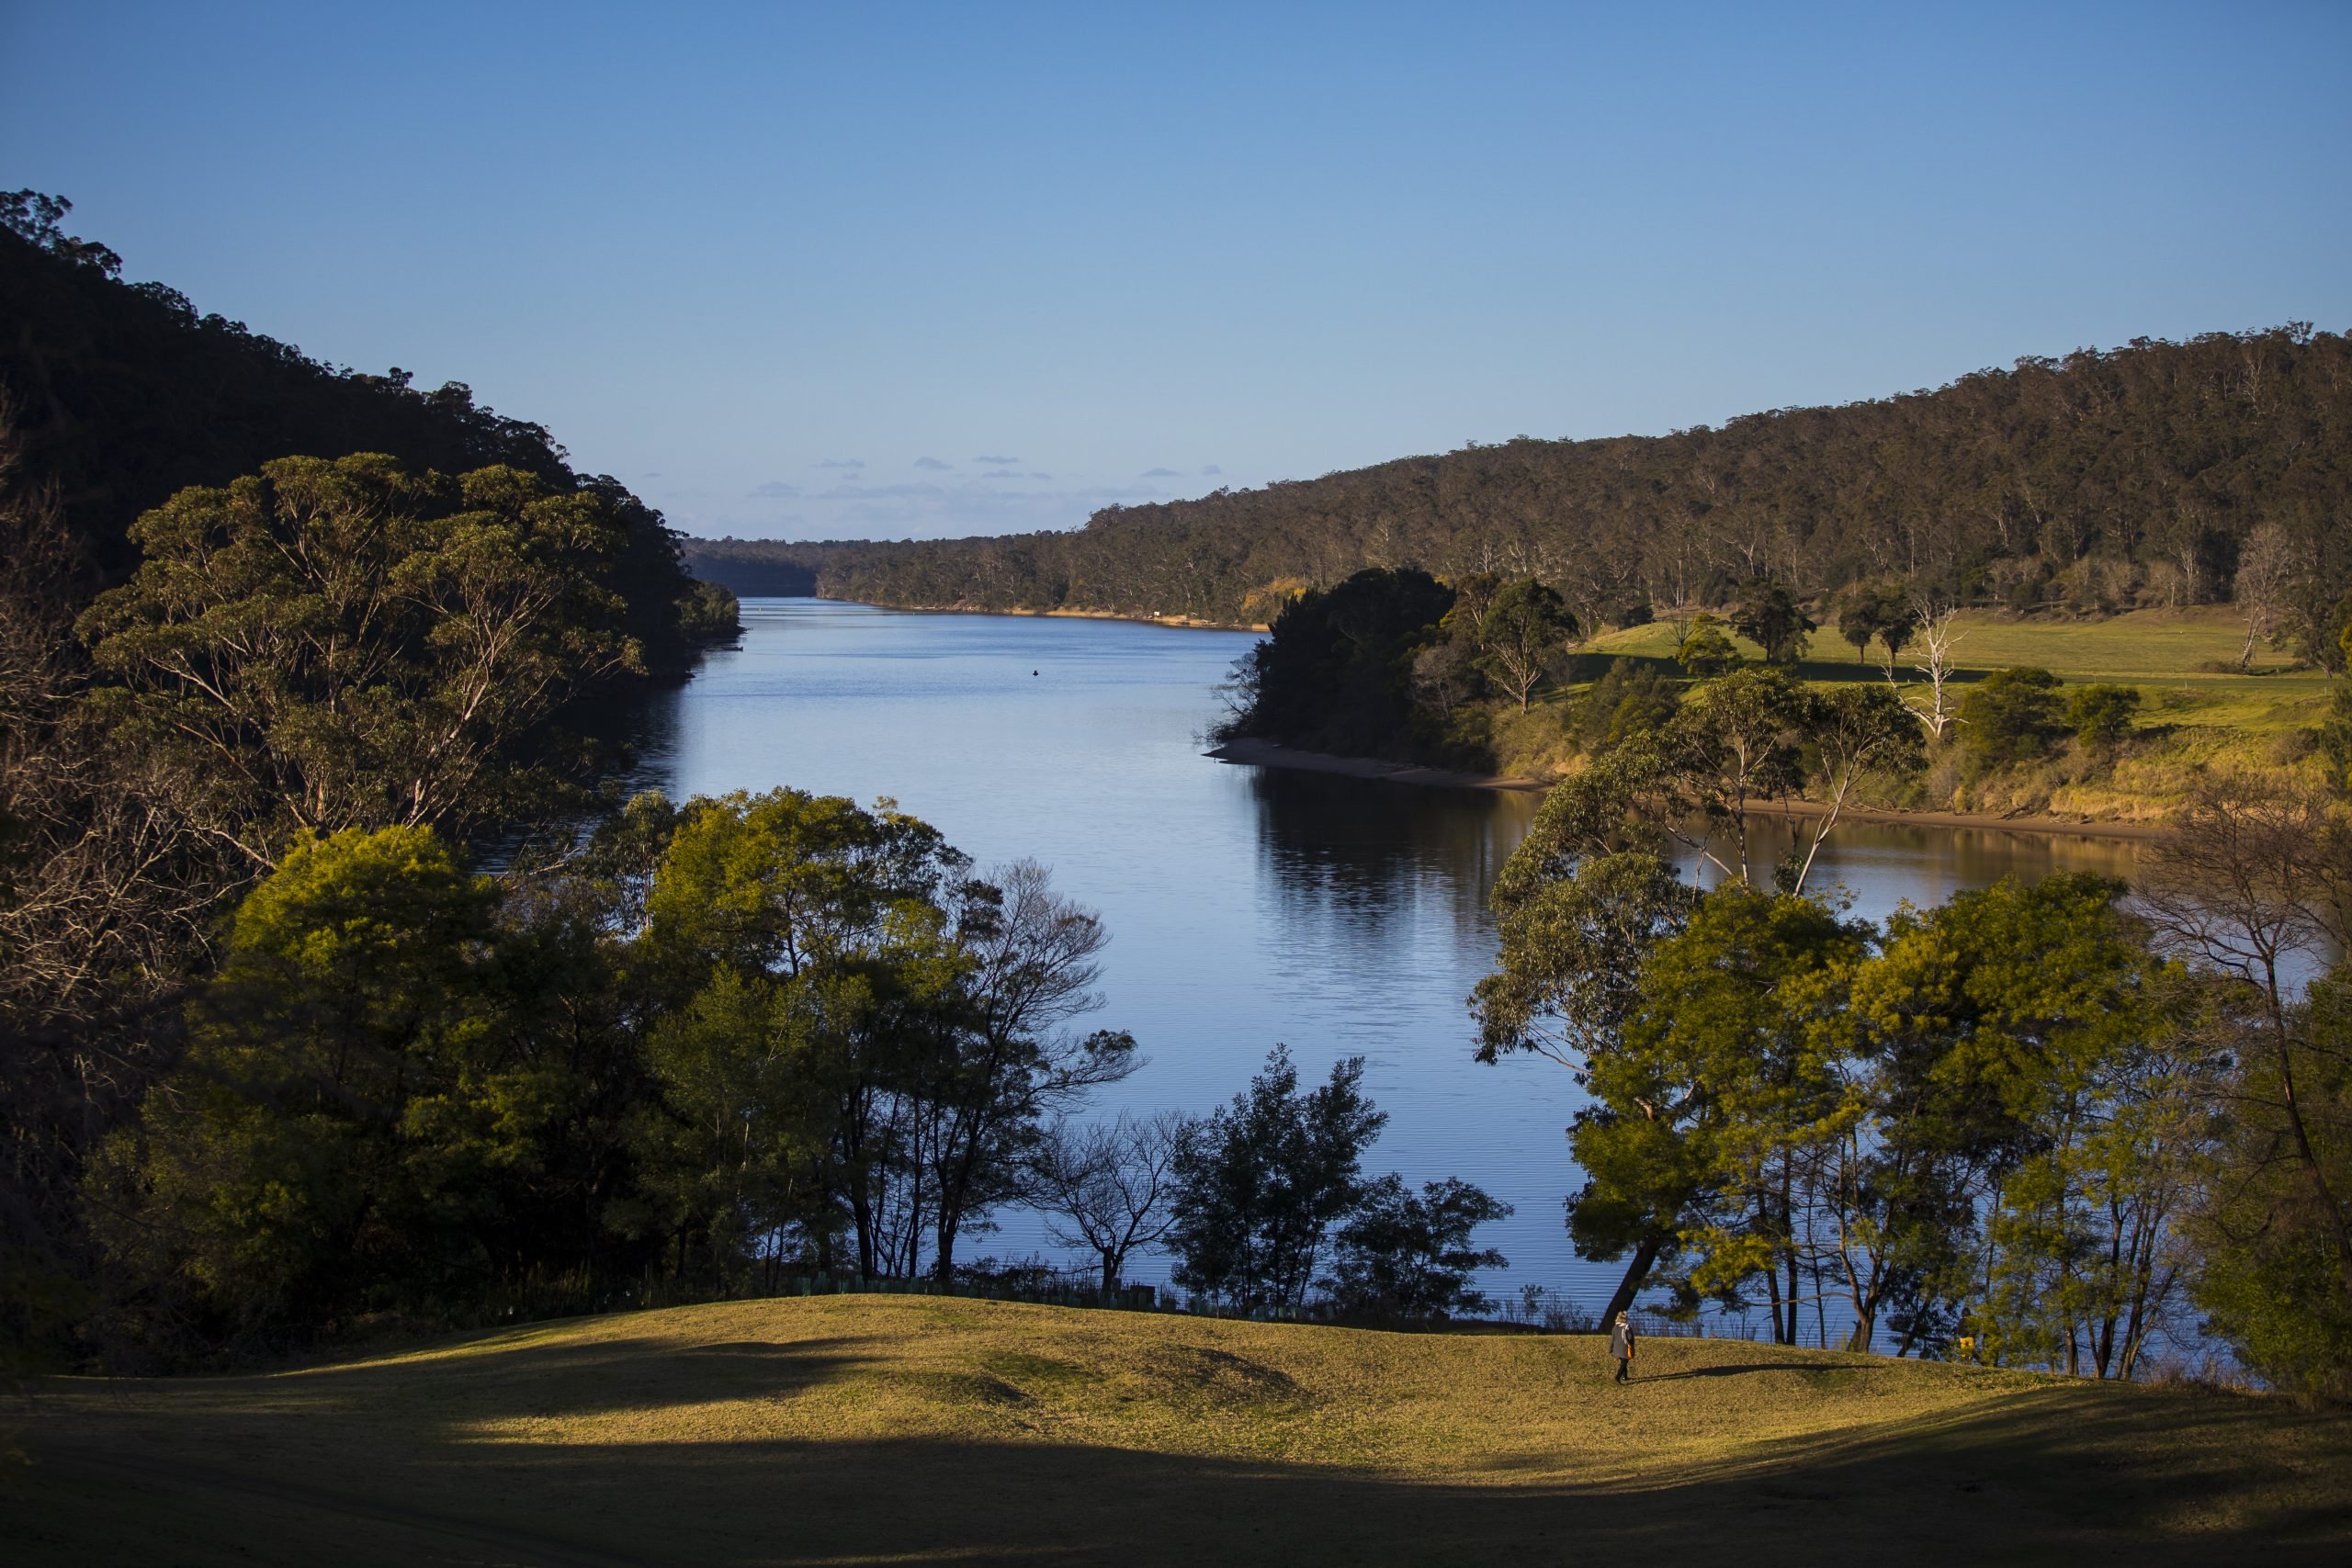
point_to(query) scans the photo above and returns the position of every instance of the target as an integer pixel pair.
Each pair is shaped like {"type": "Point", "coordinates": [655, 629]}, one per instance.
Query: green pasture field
{"type": "Point", "coordinates": [877, 1429]}
{"type": "Point", "coordinates": [2169, 654]}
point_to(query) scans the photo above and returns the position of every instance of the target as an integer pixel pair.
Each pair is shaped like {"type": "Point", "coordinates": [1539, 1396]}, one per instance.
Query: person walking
{"type": "Point", "coordinates": [1620, 1345]}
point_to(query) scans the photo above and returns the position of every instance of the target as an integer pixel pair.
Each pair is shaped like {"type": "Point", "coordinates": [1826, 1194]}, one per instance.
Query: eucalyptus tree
{"type": "Point", "coordinates": [1861, 613]}
{"type": "Point", "coordinates": [2025, 1140]}
{"type": "Point", "coordinates": [1766, 615]}
{"type": "Point", "coordinates": [1855, 733]}
{"type": "Point", "coordinates": [1525, 629]}
{"type": "Point", "coordinates": [2271, 571]}
{"type": "Point", "coordinates": [1580, 905]}
{"type": "Point", "coordinates": [392, 1097]}
{"type": "Point", "coordinates": [330, 645]}
{"type": "Point", "coordinates": [1898, 618]}
{"type": "Point", "coordinates": [1736, 740]}
{"type": "Point", "coordinates": [1935, 623]}
{"type": "Point", "coordinates": [1723, 1082]}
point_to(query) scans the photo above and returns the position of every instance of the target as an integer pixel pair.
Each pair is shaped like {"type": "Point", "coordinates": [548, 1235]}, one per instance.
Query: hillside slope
{"type": "Point", "coordinates": [874, 1430]}
{"type": "Point", "coordinates": [2099, 482]}
{"type": "Point", "coordinates": [115, 396]}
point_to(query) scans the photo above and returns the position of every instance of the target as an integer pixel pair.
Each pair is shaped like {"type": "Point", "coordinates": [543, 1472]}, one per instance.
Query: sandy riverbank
{"type": "Point", "coordinates": [1266, 754]}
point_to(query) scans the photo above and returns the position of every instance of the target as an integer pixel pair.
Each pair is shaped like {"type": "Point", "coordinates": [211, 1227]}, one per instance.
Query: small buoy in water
{"type": "Point", "coordinates": [1032, 672]}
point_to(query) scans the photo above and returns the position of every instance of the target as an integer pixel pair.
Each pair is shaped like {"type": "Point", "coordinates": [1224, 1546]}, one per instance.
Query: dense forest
{"type": "Point", "coordinates": [2101, 481]}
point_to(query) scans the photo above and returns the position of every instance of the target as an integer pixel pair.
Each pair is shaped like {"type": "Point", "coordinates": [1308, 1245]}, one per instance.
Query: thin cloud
{"type": "Point", "coordinates": [841, 463]}
{"type": "Point", "coordinates": [874, 492]}
{"type": "Point", "coordinates": [956, 510]}
{"type": "Point", "coordinates": [1040, 476]}
{"type": "Point", "coordinates": [1212, 472]}
{"type": "Point", "coordinates": [934, 464]}
{"type": "Point", "coordinates": [774, 490]}
{"type": "Point", "coordinates": [1161, 474]}
{"type": "Point", "coordinates": [1001, 474]}
{"type": "Point", "coordinates": [998, 462]}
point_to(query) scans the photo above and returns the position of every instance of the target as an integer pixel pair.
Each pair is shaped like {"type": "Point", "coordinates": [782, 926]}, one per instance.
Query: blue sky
{"type": "Point", "coordinates": [866, 270]}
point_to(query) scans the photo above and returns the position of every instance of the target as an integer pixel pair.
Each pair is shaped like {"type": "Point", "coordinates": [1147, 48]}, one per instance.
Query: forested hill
{"type": "Point", "coordinates": [2099, 481]}
{"type": "Point", "coordinates": [116, 396]}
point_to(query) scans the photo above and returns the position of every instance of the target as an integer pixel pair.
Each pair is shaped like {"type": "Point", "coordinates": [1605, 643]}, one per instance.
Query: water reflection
{"type": "Point", "coordinates": [1363, 858]}
{"type": "Point", "coordinates": [1879, 865]}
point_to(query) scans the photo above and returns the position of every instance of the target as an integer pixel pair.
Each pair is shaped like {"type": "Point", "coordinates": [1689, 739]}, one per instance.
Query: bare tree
{"type": "Point", "coordinates": [1937, 629]}
{"type": "Point", "coordinates": [1443, 674]}
{"type": "Point", "coordinates": [105, 891]}
{"type": "Point", "coordinates": [1032, 970]}
{"type": "Point", "coordinates": [1108, 1186]}
{"type": "Point", "coordinates": [106, 898]}
{"type": "Point", "coordinates": [2268, 573]}
{"type": "Point", "coordinates": [2252, 880]}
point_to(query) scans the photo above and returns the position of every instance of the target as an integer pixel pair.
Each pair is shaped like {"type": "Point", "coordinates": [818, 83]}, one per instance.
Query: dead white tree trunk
{"type": "Point", "coordinates": [1937, 637]}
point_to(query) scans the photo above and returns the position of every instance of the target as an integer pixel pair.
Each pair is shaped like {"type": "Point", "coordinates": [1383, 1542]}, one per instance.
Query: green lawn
{"type": "Point", "coordinates": [888, 1429]}
{"type": "Point", "coordinates": [2160, 652]}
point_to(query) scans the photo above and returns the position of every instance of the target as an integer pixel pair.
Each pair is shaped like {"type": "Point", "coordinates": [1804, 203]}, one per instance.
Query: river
{"type": "Point", "coordinates": [1246, 906]}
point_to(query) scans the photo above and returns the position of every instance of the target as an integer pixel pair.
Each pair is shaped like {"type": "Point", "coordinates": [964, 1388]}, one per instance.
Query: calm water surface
{"type": "Point", "coordinates": [1246, 906]}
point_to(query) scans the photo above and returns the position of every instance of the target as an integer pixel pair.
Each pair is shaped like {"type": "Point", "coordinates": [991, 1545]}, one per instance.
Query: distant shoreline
{"type": "Point", "coordinates": [1267, 754]}
{"type": "Point", "coordinates": [1189, 622]}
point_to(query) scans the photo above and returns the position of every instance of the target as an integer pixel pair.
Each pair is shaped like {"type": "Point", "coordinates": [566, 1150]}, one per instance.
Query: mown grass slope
{"type": "Point", "coordinates": [885, 1429]}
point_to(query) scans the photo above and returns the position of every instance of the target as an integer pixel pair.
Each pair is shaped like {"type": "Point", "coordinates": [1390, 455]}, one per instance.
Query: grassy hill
{"type": "Point", "coordinates": [885, 1429]}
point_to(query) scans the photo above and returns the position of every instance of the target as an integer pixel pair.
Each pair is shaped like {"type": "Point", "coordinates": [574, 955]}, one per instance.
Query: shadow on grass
{"type": "Point", "coordinates": [491, 1381]}
{"type": "Point", "coordinates": [317, 1467]}
{"type": "Point", "coordinates": [2041, 1477]}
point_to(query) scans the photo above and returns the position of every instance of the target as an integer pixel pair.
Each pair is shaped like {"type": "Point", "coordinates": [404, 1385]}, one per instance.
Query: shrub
{"type": "Point", "coordinates": [2010, 717]}
{"type": "Point", "coordinates": [2101, 716]}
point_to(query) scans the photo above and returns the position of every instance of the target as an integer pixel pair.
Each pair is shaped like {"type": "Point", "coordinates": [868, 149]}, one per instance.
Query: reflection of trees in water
{"type": "Point", "coordinates": [1367, 860]}
{"type": "Point", "coordinates": [1372, 858]}
{"type": "Point", "coordinates": [639, 732]}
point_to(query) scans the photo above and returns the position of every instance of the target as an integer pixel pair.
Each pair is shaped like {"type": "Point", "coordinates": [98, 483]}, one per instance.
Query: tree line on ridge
{"type": "Point", "coordinates": [2101, 481]}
